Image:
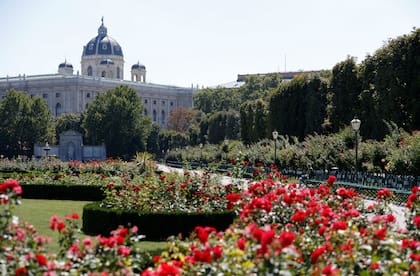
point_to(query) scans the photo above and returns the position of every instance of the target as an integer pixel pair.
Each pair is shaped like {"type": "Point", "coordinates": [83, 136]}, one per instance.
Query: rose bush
{"type": "Point", "coordinates": [187, 192]}
{"type": "Point", "coordinates": [281, 229]}
{"type": "Point", "coordinates": [287, 230]}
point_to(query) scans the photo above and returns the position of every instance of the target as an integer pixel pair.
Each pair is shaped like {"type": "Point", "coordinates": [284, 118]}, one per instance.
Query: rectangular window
{"type": "Point", "coordinates": [45, 96]}
{"type": "Point", "coordinates": [57, 95]}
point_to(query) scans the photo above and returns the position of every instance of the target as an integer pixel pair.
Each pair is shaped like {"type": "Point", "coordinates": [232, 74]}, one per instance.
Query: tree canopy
{"type": "Point", "coordinates": [116, 119]}
{"type": "Point", "coordinates": [23, 122]}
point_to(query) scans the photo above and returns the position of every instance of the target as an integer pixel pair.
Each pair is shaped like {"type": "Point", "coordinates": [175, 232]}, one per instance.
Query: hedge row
{"type": "Point", "coordinates": [155, 226]}
{"type": "Point", "coordinates": [63, 192]}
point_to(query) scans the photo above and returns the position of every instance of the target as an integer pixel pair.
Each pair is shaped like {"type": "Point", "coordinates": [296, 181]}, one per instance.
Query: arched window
{"type": "Point", "coordinates": [163, 118]}
{"type": "Point", "coordinates": [103, 74]}
{"type": "Point", "coordinates": [57, 109]}
{"type": "Point", "coordinates": [90, 71]}
{"type": "Point", "coordinates": [154, 116]}
{"type": "Point", "coordinates": [118, 72]}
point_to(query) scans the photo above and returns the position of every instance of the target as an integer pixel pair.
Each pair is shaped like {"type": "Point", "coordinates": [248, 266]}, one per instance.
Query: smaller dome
{"type": "Point", "coordinates": [65, 64]}
{"type": "Point", "coordinates": [138, 65]}
{"type": "Point", "coordinates": [106, 61]}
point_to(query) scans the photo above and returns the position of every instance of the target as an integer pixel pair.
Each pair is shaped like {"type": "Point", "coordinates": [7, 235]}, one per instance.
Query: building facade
{"type": "Point", "coordinates": [102, 67]}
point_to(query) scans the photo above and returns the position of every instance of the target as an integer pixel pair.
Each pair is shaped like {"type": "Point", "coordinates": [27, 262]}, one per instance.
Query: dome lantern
{"type": "Point", "coordinates": [65, 68]}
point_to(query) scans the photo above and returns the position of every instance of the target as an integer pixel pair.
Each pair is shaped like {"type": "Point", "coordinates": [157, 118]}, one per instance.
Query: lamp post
{"type": "Point", "coordinates": [47, 149]}
{"type": "Point", "coordinates": [355, 124]}
{"type": "Point", "coordinates": [275, 136]}
{"type": "Point", "coordinates": [201, 153]}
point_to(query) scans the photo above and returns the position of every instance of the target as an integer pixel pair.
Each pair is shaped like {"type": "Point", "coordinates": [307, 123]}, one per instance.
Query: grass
{"type": "Point", "coordinates": [38, 213]}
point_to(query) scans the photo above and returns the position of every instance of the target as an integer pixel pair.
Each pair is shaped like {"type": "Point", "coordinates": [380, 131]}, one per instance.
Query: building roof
{"type": "Point", "coordinates": [65, 64]}
{"type": "Point", "coordinates": [138, 65]}
{"type": "Point", "coordinates": [102, 44]}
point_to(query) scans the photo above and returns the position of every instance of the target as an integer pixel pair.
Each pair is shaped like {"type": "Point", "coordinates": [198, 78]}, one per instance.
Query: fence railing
{"type": "Point", "coordinates": [399, 184]}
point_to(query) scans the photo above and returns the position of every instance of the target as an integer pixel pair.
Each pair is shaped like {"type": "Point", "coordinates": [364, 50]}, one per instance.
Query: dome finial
{"type": "Point", "coordinates": [102, 31]}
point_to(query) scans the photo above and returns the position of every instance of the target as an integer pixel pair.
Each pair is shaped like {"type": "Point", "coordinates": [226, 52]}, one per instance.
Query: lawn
{"type": "Point", "coordinates": [38, 213]}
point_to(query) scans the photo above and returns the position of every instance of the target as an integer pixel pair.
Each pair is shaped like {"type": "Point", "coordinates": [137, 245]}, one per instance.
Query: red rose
{"type": "Point", "coordinates": [233, 197]}
{"type": "Point", "coordinates": [21, 271]}
{"type": "Point", "coordinates": [41, 259]}
{"type": "Point", "coordinates": [380, 233]}
{"type": "Point", "coordinates": [416, 221]}
{"type": "Point", "coordinates": [241, 243]}
{"type": "Point", "coordinates": [299, 216]}
{"type": "Point", "coordinates": [331, 179]}
{"type": "Point", "coordinates": [339, 225]}
{"type": "Point", "coordinates": [286, 238]}
{"type": "Point", "coordinates": [374, 266]}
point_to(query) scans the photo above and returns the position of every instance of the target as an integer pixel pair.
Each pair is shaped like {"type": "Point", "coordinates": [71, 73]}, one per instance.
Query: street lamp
{"type": "Point", "coordinates": [201, 153]}
{"type": "Point", "coordinates": [355, 124]}
{"type": "Point", "coordinates": [47, 149]}
{"type": "Point", "coordinates": [275, 136]}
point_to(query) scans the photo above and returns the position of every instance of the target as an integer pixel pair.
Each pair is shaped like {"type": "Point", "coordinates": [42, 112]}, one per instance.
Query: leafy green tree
{"type": "Point", "coordinates": [223, 125]}
{"type": "Point", "coordinates": [297, 108]}
{"type": "Point", "coordinates": [391, 85]}
{"type": "Point", "coordinates": [153, 140]}
{"type": "Point", "coordinates": [343, 94]}
{"type": "Point", "coordinates": [68, 121]}
{"type": "Point", "coordinates": [23, 122]}
{"type": "Point", "coordinates": [253, 121]}
{"type": "Point", "coordinates": [116, 119]}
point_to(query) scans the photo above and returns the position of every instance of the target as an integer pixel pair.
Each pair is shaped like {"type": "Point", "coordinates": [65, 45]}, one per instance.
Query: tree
{"type": "Point", "coordinates": [391, 85]}
{"type": "Point", "coordinates": [344, 90]}
{"type": "Point", "coordinates": [254, 124]}
{"type": "Point", "coordinates": [223, 125]}
{"type": "Point", "coordinates": [116, 119]}
{"type": "Point", "coordinates": [180, 119]}
{"type": "Point", "coordinates": [23, 122]}
{"type": "Point", "coordinates": [68, 121]}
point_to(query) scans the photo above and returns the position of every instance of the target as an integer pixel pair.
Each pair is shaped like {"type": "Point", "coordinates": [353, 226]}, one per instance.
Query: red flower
{"type": "Point", "coordinates": [241, 243]}
{"type": "Point", "coordinates": [60, 226]}
{"type": "Point", "coordinates": [416, 221]}
{"type": "Point", "coordinates": [21, 271]}
{"type": "Point", "coordinates": [374, 266]}
{"type": "Point", "coordinates": [331, 179]}
{"type": "Point", "coordinates": [41, 259]}
{"type": "Point", "coordinates": [166, 269]}
{"type": "Point", "coordinates": [217, 251]}
{"type": "Point", "coordinates": [329, 270]}
{"type": "Point", "coordinates": [299, 216]}
{"type": "Point", "coordinates": [384, 193]}
{"type": "Point", "coordinates": [380, 233]}
{"type": "Point", "coordinates": [202, 256]}
{"type": "Point", "coordinates": [317, 253]}
{"type": "Point", "coordinates": [286, 238]}
{"type": "Point", "coordinates": [124, 251]}
{"type": "Point", "coordinates": [322, 229]}
{"type": "Point", "coordinates": [203, 233]}
{"type": "Point", "coordinates": [339, 225]}
{"type": "Point", "coordinates": [233, 197]}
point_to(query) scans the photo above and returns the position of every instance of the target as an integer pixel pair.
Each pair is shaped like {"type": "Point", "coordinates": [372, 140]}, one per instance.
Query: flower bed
{"type": "Point", "coordinates": [281, 229]}
{"type": "Point", "coordinates": [284, 230]}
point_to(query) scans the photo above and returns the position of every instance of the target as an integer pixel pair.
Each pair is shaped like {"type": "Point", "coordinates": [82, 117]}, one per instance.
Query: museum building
{"type": "Point", "coordinates": [102, 68]}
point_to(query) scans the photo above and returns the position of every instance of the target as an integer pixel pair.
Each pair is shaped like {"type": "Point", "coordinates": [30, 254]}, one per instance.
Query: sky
{"type": "Point", "coordinates": [201, 42]}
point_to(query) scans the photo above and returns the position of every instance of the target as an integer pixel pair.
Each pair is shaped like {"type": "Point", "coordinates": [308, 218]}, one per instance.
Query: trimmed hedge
{"type": "Point", "coordinates": [63, 192]}
{"type": "Point", "coordinates": [155, 226]}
